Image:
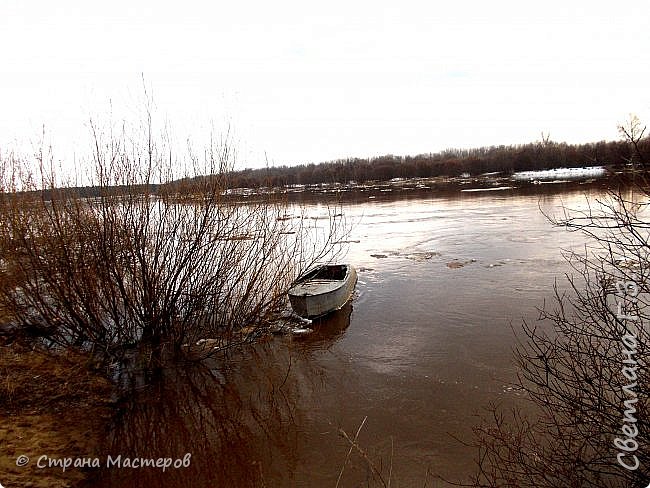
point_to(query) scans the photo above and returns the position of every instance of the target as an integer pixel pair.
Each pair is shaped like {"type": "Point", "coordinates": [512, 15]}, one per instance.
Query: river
{"type": "Point", "coordinates": [425, 345]}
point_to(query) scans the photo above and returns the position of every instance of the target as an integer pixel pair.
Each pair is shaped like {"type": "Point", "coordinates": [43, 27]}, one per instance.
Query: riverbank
{"type": "Point", "coordinates": [51, 404]}
{"type": "Point", "coordinates": [529, 182]}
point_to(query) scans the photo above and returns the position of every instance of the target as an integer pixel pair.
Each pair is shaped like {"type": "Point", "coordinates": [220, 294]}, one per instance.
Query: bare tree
{"type": "Point", "coordinates": [633, 132]}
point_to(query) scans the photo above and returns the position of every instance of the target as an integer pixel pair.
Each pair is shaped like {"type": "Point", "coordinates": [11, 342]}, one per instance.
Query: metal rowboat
{"type": "Point", "coordinates": [322, 289]}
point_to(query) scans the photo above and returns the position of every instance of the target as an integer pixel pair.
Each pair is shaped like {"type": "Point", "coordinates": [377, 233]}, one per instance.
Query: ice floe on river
{"type": "Point", "coordinates": [561, 173]}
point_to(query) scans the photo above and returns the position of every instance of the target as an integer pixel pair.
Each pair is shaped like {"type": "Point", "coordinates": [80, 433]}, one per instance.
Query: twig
{"type": "Point", "coordinates": [347, 458]}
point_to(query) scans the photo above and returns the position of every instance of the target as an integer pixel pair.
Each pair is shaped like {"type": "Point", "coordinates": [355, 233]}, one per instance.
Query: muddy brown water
{"type": "Point", "coordinates": [425, 344]}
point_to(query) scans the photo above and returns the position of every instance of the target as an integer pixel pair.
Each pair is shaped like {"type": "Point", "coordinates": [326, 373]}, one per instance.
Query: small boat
{"type": "Point", "coordinates": [322, 289]}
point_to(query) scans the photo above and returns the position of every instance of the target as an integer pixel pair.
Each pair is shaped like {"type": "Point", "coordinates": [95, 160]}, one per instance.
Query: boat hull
{"type": "Point", "coordinates": [317, 304]}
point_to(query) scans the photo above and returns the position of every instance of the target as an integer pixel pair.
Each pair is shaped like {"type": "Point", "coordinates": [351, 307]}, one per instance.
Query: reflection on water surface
{"type": "Point", "coordinates": [423, 346]}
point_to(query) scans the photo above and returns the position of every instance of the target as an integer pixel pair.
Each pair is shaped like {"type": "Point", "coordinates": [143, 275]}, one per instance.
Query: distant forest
{"type": "Point", "coordinates": [451, 162]}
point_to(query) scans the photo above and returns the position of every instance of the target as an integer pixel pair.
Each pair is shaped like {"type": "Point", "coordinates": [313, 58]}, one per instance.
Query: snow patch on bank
{"type": "Point", "coordinates": [561, 173]}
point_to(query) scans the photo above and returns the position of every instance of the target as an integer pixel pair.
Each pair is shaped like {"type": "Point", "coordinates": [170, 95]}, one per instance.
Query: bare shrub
{"type": "Point", "coordinates": [148, 253]}
{"type": "Point", "coordinates": [583, 368]}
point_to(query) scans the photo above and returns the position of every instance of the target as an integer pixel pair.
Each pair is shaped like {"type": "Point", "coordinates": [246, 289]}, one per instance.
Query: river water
{"type": "Point", "coordinates": [425, 345]}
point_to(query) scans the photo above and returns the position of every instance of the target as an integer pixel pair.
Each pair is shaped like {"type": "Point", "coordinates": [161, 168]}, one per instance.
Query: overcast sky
{"type": "Point", "coordinates": [307, 82]}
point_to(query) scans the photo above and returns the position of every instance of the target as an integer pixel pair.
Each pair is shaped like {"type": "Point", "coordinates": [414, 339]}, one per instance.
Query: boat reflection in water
{"type": "Point", "coordinates": [326, 329]}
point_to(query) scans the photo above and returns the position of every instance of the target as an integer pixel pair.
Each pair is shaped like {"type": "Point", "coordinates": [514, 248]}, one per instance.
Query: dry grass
{"type": "Point", "coordinates": [52, 405]}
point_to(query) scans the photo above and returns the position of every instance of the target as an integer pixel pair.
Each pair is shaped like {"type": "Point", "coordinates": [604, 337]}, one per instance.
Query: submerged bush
{"type": "Point", "coordinates": [147, 254]}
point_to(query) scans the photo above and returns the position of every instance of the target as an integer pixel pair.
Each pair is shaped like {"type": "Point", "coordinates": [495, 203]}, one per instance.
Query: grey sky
{"type": "Point", "coordinates": [307, 82]}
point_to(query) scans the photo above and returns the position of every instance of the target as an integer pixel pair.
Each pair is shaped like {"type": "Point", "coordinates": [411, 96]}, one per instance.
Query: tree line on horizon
{"type": "Point", "coordinates": [541, 155]}
{"type": "Point", "coordinates": [451, 162]}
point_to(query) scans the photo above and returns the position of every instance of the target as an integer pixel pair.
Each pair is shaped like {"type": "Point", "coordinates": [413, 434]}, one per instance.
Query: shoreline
{"type": "Point", "coordinates": [439, 186]}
